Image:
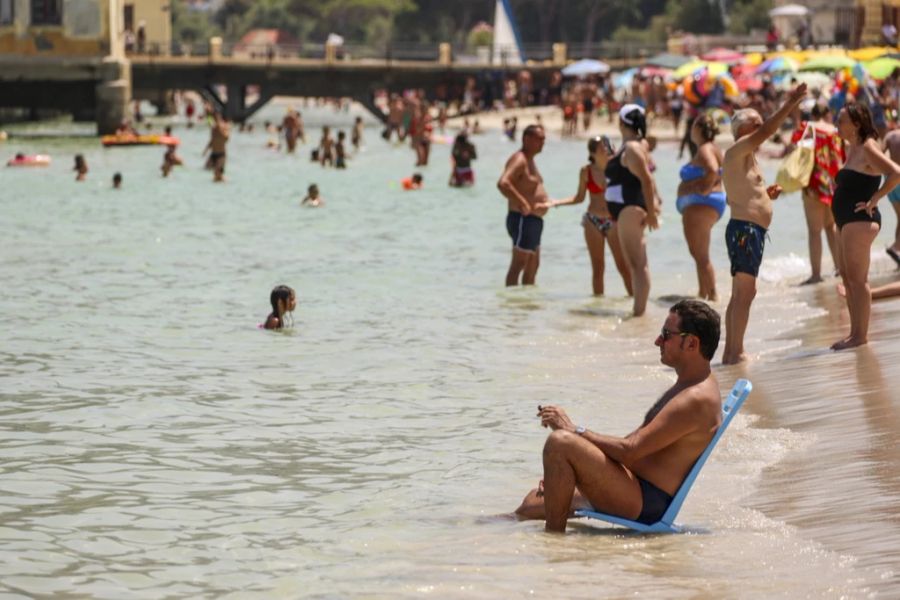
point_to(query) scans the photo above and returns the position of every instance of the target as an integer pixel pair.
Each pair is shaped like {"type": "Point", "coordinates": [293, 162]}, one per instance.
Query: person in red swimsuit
{"type": "Point", "coordinates": [829, 156]}
{"type": "Point", "coordinates": [598, 224]}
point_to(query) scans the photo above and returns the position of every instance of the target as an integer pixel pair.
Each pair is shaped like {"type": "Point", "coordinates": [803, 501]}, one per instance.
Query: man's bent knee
{"type": "Point", "coordinates": [559, 441]}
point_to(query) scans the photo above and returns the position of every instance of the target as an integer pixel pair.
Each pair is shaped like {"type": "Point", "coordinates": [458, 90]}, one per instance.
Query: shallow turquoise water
{"type": "Point", "coordinates": [156, 442]}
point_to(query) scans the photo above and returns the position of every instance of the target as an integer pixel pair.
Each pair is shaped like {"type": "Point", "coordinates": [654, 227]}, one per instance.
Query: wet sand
{"type": "Point", "coordinates": [842, 489]}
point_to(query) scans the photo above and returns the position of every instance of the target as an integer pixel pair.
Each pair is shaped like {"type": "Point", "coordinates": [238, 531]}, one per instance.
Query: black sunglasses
{"type": "Point", "coordinates": [667, 333]}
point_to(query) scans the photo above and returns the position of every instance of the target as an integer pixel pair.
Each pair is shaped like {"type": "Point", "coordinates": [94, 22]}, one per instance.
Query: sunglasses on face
{"type": "Point", "coordinates": [665, 334]}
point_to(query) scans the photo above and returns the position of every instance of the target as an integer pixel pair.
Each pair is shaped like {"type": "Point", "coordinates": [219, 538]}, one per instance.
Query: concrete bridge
{"type": "Point", "coordinates": [299, 77]}
{"type": "Point", "coordinates": [98, 89]}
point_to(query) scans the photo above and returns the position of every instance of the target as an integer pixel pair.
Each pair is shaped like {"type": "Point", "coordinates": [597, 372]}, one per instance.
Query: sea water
{"type": "Point", "coordinates": [157, 443]}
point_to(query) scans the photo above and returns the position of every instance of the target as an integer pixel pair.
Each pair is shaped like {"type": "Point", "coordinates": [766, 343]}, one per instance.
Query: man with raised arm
{"type": "Point", "coordinates": [636, 476]}
{"type": "Point", "coordinates": [527, 200]}
{"type": "Point", "coordinates": [751, 214]}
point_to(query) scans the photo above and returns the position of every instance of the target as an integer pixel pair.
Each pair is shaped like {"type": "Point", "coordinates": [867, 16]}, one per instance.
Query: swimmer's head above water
{"type": "Point", "coordinates": [284, 301]}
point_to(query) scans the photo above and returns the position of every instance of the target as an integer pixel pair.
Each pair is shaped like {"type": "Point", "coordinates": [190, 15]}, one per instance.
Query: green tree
{"type": "Point", "coordinates": [190, 26]}
{"type": "Point", "coordinates": [697, 16]}
{"type": "Point", "coordinates": [747, 15]}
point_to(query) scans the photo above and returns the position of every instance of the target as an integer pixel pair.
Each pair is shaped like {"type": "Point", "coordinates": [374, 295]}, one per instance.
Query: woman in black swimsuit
{"type": "Point", "coordinates": [855, 208]}
{"type": "Point", "coordinates": [632, 199]}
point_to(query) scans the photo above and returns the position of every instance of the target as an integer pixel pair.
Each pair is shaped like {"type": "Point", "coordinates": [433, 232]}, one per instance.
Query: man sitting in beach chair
{"type": "Point", "coordinates": [636, 476]}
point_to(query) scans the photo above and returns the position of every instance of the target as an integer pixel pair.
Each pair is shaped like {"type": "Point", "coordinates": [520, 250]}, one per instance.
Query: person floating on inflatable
{"type": "Point", "coordinates": [412, 183]}
{"type": "Point", "coordinates": [28, 160]}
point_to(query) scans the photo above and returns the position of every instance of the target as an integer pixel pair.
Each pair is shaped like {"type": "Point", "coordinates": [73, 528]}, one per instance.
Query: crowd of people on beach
{"type": "Point", "coordinates": [843, 136]}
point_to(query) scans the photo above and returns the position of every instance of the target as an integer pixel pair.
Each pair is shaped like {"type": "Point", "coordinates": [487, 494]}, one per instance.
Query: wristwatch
{"type": "Point", "coordinates": [580, 429]}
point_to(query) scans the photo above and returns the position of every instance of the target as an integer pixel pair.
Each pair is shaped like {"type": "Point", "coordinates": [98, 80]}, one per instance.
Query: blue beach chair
{"type": "Point", "coordinates": [666, 524]}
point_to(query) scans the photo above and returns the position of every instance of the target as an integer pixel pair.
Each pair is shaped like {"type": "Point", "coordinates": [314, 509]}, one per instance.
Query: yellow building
{"type": "Point", "coordinates": [873, 15]}
{"type": "Point", "coordinates": [154, 19]}
{"type": "Point", "coordinates": [65, 55]}
{"type": "Point", "coordinates": [82, 28]}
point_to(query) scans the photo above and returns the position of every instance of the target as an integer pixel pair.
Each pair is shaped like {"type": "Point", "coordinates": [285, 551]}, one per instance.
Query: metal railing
{"type": "Point", "coordinates": [402, 51]}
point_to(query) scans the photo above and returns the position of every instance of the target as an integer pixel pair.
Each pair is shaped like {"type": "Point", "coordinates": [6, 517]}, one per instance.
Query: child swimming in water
{"type": "Point", "coordinates": [117, 181]}
{"type": "Point", "coordinates": [412, 183]}
{"type": "Point", "coordinates": [312, 197]}
{"type": "Point", "coordinates": [80, 167]}
{"type": "Point", "coordinates": [284, 301]}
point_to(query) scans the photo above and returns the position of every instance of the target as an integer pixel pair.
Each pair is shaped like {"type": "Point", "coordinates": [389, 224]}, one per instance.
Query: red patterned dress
{"type": "Point", "coordinates": [828, 153]}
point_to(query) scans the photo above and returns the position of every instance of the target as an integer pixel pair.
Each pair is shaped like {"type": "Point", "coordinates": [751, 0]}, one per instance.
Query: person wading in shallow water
{"type": "Point", "coordinates": [751, 214]}
{"type": "Point", "coordinates": [527, 200]}
{"type": "Point", "coordinates": [636, 476]}
{"type": "Point", "coordinates": [218, 140]}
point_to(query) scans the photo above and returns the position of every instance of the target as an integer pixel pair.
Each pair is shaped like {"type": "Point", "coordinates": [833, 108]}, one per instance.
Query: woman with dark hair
{"type": "Point", "coordinates": [855, 209]}
{"type": "Point", "coordinates": [80, 168]}
{"type": "Point", "coordinates": [701, 200]}
{"type": "Point", "coordinates": [462, 155]}
{"type": "Point", "coordinates": [598, 224]}
{"type": "Point", "coordinates": [283, 300]}
{"type": "Point", "coordinates": [632, 199]}
{"type": "Point", "coordinates": [828, 152]}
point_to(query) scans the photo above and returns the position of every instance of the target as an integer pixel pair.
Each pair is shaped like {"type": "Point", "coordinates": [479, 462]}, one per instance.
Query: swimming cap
{"type": "Point", "coordinates": [625, 113]}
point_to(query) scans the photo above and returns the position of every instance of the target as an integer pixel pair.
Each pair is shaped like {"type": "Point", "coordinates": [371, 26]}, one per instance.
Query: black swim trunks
{"type": "Point", "coordinates": [525, 231]}
{"type": "Point", "coordinates": [656, 503]}
{"type": "Point", "coordinates": [745, 242]}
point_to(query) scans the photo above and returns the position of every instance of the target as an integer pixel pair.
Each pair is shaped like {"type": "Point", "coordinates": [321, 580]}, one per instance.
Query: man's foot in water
{"type": "Point", "coordinates": [849, 342]}
{"type": "Point", "coordinates": [813, 279]}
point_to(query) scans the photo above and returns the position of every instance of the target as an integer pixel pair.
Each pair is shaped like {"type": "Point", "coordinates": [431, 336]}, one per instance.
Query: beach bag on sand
{"type": "Point", "coordinates": [796, 168]}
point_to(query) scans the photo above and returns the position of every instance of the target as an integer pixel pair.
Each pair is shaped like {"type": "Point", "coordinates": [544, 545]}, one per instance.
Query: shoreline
{"type": "Point", "coordinates": [842, 489]}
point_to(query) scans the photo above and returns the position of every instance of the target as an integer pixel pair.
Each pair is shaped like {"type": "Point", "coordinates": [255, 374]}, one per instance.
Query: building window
{"type": "Point", "coordinates": [46, 12]}
{"type": "Point", "coordinates": [6, 12]}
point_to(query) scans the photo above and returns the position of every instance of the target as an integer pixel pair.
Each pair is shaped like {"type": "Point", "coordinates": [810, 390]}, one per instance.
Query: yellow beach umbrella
{"type": "Point", "coordinates": [714, 68]}
{"type": "Point", "coordinates": [754, 58]}
{"type": "Point", "coordinates": [797, 56]}
{"type": "Point", "coordinates": [870, 53]}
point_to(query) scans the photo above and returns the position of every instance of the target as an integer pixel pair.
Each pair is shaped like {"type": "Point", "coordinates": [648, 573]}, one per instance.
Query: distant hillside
{"type": "Point", "coordinates": [378, 22]}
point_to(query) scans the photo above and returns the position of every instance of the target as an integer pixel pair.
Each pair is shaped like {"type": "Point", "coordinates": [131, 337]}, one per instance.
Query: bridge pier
{"type": "Point", "coordinates": [112, 95]}
{"type": "Point", "coordinates": [368, 101]}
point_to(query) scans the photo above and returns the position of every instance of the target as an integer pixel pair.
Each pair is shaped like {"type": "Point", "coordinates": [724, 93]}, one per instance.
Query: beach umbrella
{"type": "Point", "coordinates": [779, 64]}
{"type": "Point", "coordinates": [813, 79]}
{"type": "Point", "coordinates": [714, 68]}
{"type": "Point", "coordinates": [652, 71]}
{"type": "Point", "coordinates": [754, 58]}
{"type": "Point", "coordinates": [789, 10]}
{"type": "Point", "coordinates": [624, 79]}
{"type": "Point", "coordinates": [832, 62]}
{"type": "Point", "coordinates": [585, 66]}
{"type": "Point", "coordinates": [723, 55]}
{"type": "Point", "coordinates": [869, 53]}
{"type": "Point", "coordinates": [881, 68]}
{"type": "Point", "coordinates": [668, 61]}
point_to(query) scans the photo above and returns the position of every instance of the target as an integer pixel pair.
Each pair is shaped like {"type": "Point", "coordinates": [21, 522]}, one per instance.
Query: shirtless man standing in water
{"type": "Point", "coordinates": [751, 214]}
{"type": "Point", "coordinates": [218, 139]}
{"type": "Point", "coordinates": [523, 187]}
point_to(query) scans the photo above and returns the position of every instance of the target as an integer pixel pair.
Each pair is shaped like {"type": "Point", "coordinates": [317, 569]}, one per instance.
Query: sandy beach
{"type": "Point", "coordinates": [551, 117]}
{"type": "Point", "coordinates": [842, 487]}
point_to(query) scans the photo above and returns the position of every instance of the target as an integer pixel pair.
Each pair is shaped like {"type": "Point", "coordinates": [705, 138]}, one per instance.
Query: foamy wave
{"type": "Point", "coordinates": [780, 269]}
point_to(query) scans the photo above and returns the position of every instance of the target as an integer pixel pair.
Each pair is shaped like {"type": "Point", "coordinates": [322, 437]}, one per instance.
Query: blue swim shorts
{"type": "Point", "coordinates": [745, 242]}
{"type": "Point", "coordinates": [525, 231]}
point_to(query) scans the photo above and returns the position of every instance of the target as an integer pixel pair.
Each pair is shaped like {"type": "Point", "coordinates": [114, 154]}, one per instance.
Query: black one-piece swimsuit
{"type": "Point", "coordinates": [852, 188]}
